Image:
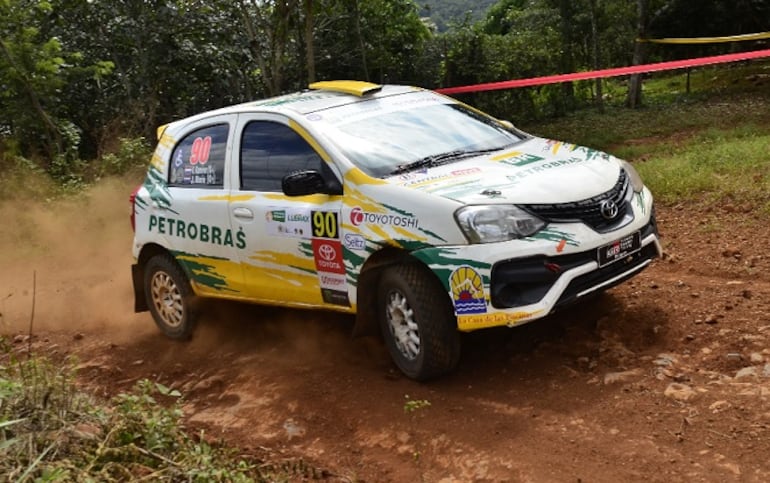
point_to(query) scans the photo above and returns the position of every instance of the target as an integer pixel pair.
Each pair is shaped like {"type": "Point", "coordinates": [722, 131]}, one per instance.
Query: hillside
{"type": "Point", "coordinates": [446, 12]}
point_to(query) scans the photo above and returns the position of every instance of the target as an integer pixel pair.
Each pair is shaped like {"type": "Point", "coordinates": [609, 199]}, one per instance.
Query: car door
{"type": "Point", "coordinates": [293, 254]}
{"type": "Point", "coordinates": [195, 223]}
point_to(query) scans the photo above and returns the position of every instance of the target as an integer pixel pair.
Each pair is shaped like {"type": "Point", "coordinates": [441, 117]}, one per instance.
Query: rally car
{"type": "Point", "coordinates": [422, 215]}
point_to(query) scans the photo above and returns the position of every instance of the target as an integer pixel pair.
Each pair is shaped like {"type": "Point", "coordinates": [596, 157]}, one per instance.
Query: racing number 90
{"type": "Point", "coordinates": [325, 224]}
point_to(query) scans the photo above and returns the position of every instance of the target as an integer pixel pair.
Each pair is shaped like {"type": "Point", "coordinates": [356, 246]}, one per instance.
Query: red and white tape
{"type": "Point", "coordinates": [634, 69]}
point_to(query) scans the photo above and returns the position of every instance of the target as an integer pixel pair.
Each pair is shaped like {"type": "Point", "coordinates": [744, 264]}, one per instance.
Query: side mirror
{"type": "Point", "coordinates": [308, 182]}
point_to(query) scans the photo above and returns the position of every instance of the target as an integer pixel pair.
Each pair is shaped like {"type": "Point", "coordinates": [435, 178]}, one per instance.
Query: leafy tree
{"type": "Point", "coordinates": [170, 58]}
{"type": "Point", "coordinates": [445, 14]}
{"type": "Point", "coordinates": [34, 69]}
{"type": "Point", "coordinates": [268, 28]}
{"type": "Point", "coordinates": [374, 40]}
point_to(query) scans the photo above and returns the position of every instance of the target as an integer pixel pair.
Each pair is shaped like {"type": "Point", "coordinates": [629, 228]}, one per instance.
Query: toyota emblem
{"type": "Point", "coordinates": [609, 209]}
{"type": "Point", "coordinates": [327, 252]}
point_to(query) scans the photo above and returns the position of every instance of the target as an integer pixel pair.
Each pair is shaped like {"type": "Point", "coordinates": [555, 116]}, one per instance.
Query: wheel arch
{"type": "Point", "coordinates": [366, 323]}
{"type": "Point", "coordinates": [147, 252]}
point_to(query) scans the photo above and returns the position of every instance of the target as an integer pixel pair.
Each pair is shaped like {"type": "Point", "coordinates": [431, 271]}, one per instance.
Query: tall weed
{"type": "Point", "coordinates": [50, 430]}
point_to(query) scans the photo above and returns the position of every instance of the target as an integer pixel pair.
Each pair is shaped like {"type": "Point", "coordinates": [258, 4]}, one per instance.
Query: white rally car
{"type": "Point", "coordinates": [416, 212]}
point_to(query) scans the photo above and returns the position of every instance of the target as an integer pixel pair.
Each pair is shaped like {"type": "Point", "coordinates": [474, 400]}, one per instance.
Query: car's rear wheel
{"type": "Point", "coordinates": [417, 322]}
{"type": "Point", "coordinates": [169, 297]}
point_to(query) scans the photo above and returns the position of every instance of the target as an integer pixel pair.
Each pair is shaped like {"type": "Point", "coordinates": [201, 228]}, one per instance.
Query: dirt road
{"type": "Point", "coordinates": [666, 378]}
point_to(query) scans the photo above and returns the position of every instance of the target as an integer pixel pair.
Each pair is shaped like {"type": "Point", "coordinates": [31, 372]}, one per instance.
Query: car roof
{"type": "Point", "coordinates": [319, 96]}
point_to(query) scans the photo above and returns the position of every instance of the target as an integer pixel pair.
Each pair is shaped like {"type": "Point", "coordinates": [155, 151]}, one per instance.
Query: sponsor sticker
{"type": "Point", "coordinates": [289, 222]}
{"type": "Point", "coordinates": [467, 290]}
{"type": "Point", "coordinates": [332, 281]}
{"type": "Point", "coordinates": [352, 241]}
{"type": "Point", "coordinates": [328, 256]}
{"type": "Point", "coordinates": [359, 216]}
{"type": "Point", "coordinates": [335, 297]}
{"type": "Point", "coordinates": [421, 177]}
{"type": "Point", "coordinates": [522, 159]}
{"type": "Point", "coordinates": [330, 266]}
{"type": "Point", "coordinates": [200, 232]}
{"type": "Point", "coordinates": [278, 216]}
{"type": "Point", "coordinates": [471, 322]}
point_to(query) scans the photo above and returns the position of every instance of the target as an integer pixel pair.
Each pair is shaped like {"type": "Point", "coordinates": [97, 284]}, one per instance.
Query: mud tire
{"type": "Point", "coordinates": [169, 297]}
{"type": "Point", "coordinates": [417, 322]}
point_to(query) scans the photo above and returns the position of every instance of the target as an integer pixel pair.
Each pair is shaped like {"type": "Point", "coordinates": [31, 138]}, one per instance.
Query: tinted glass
{"type": "Point", "coordinates": [199, 159]}
{"type": "Point", "coordinates": [270, 151]}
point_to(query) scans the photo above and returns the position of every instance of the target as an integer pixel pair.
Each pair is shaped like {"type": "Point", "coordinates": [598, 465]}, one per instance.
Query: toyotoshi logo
{"type": "Point", "coordinates": [358, 216]}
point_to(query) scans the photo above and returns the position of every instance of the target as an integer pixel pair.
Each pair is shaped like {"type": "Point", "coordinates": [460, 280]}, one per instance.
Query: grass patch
{"type": "Point", "coordinates": [712, 146]}
{"type": "Point", "coordinates": [25, 179]}
{"type": "Point", "coordinates": [50, 430]}
{"type": "Point", "coordinates": [729, 164]}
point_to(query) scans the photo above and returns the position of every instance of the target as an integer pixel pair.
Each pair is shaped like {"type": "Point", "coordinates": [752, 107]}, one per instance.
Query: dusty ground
{"type": "Point", "coordinates": [666, 378]}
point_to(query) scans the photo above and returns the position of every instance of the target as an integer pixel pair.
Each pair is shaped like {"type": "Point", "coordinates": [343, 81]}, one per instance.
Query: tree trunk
{"type": "Point", "coordinates": [361, 44]}
{"type": "Point", "coordinates": [309, 44]}
{"type": "Point", "coordinates": [634, 98]}
{"type": "Point", "coordinates": [274, 25]}
{"type": "Point", "coordinates": [599, 99]}
{"type": "Point", "coordinates": [567, 61]}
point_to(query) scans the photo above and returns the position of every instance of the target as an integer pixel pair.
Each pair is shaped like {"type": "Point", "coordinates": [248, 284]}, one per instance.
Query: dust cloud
{"type": "Point", "coordinates": [78, 250]}
{"type": "Point", "coordinates": [72, 256]}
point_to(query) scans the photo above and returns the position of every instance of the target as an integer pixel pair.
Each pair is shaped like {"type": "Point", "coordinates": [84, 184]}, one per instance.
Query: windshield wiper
{"type": "Point", "coordinates": [439, 159]}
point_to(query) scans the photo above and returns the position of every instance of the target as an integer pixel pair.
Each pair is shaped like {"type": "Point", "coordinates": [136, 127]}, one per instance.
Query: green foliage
{"type": "Point", "coordinates": [35, 69]}
{"type": "Point", "coordinates": [445, 13]}
{"type": "Point", "coordinates": [131, 154]}
{"type": "Point", "coordinates": [412, 405]}
{"type": "Point", "coordinates": [52, 431]}
{"type": "Point", "coordinates": [681, 149]}
{"type": "Point", "coordinates": [77, 75]}
{"type": "Point", "coordinates": [374, 40]}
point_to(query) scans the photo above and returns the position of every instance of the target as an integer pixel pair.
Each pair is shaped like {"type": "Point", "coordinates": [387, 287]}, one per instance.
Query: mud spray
{"type": "Point", "coordinates": [79, 251]}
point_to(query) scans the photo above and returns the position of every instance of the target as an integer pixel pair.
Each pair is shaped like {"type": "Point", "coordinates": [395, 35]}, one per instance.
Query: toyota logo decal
{"type": "Point", "coordinates": [327, 252]}
{"type": "Point", "coordinates": [609, 209]}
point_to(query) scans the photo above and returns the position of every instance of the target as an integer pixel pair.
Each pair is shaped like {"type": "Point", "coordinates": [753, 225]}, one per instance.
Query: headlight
{"type": "Point", "coordinates": [496, 223]}
{"type": "Point", "coordinates": [633, 176]}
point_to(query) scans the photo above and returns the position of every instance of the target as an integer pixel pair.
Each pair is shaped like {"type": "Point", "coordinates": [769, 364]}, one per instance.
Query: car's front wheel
{"type": "Point", "coordinates": [169, 297]}
{"type": "Point", "coordinates": [417, 322]}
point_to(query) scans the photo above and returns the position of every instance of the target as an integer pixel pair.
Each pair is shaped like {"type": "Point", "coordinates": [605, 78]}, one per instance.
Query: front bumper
{"type": "Point", "coordinates": [560, 280]}
{"type": "Point", "coordinates": [510, 283]}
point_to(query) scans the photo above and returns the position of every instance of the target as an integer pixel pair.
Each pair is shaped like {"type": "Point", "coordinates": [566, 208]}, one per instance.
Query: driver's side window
{"type": "Point", "coordinates": [270, 151]}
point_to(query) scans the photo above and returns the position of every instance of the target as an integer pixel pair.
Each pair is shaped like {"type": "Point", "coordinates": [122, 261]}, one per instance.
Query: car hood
{"type": "Point", "coordinates": [536, 171]}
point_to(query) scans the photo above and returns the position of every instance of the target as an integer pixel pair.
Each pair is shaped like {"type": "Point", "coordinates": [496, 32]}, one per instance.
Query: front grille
{"type": "Point", "coordinates": [520, 282]}
{"type": "Point", "coordinates": [588, 211]}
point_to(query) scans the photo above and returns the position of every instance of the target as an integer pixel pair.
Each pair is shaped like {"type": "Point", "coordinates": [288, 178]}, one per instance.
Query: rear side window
{"type": "Point", "coordinates": [270, 151]}
{"type": "Point", "coordinates": [199, 159]}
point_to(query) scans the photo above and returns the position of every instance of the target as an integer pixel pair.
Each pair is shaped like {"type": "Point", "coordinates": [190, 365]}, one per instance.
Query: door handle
{"type": "Point", "coordinates": [243, 213]}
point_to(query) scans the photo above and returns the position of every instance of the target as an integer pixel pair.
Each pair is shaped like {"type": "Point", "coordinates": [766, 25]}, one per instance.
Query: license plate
{"type": "Point", "coordinates": [620, 249]}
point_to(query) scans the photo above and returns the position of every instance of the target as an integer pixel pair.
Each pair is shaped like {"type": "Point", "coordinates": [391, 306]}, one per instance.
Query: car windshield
{"type": "Point", "coordinates": [384, 138]}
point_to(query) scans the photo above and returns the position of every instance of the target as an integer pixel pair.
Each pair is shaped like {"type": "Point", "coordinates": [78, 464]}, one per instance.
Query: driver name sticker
{"type": "Point", "coordinates": [289, 222]}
